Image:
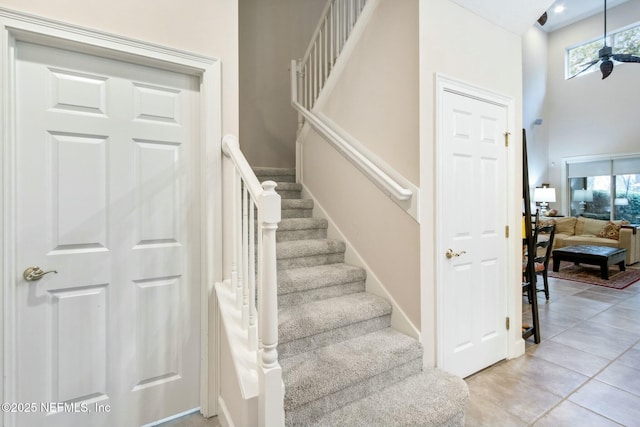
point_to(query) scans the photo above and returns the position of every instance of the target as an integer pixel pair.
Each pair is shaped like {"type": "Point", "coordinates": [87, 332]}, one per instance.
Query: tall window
{"type": "Point", "coordinates": [622, 41]}
{"type": "Point", "coordinates": [606, 189]}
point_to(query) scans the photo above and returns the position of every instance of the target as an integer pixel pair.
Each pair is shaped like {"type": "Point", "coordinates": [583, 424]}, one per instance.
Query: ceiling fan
{"type": "Point", "coordinates": [606, 55]}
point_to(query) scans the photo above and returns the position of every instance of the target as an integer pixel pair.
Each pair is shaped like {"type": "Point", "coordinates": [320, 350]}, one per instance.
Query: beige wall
{"type": "Point", "coordinates": [206, 27]}
{"type": "Point", "coordinates": [376, 100]}
{"type": "Point", "coordinates": [272, 33]}
{"type": "Point", "coordinates": [534, 80]}
{"type": "Point", "coordinates": [484, 55]}
{"type": "Point", "coordinates": [588, 115]}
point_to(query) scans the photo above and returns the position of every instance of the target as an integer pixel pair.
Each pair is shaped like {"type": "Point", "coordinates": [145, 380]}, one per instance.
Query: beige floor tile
{"type": "Point", "coordinates": [633, 302]}
{"type": "Point", "coordinates": [620, 317]}
{"type": "Point", "coordinates": [569, 357]}
{"type": "Point", "coordinates": [631, 357]}
{"type": "Point", "coordinates": [621, 376]}
{"type": "Point", "coordinates": [569, 414]}
{"type": "Point", "coordinates": [482, 412]}
{"type": "Point", "coordinates": [541, 374]}
{"type": "Point", "coordinates": [580, 308]}
{"type": "Point", "coordinates": [610, 402]}
{"type": "Point", "coordinates": [602, 297]}
{"type": "Point", "coordinates": [595, 338]}
{"type": "Point", "coordinates": [512, 394]}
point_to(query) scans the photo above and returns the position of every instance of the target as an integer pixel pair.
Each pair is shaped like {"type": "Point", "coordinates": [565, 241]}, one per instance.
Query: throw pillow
{"type": "Point", "coordinates": [565, 225]}
{"type": "Point", "coordinates": [610, 231]}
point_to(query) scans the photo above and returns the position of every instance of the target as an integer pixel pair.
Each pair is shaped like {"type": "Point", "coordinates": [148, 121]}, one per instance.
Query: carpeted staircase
{"type": "Point", "coordinates": [342, 363]}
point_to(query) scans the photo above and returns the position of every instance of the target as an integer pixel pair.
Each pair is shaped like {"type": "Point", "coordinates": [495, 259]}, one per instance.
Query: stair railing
{"type": "Point", "coordinates": [254, 220]}
{"type": "Point", "coordinates": [308, 78]}
{"type": "Point", "coordinates": [328, 40]}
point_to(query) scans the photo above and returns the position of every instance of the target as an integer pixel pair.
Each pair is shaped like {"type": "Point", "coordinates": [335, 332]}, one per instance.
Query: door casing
{"type": "Point", "coordinates": [17, 26]}
{"type": "Point", "coordinates": [515, 343]}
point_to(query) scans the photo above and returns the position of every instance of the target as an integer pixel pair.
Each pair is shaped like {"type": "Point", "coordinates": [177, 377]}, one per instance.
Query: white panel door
{"type": "Point", "coordinates": [473, 219]}
{"type": "Point", "coordinates": [108, 198]}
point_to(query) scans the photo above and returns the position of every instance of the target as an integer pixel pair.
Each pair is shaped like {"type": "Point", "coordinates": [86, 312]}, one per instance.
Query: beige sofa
{"type": "Point", "coordinates": [586, 231]}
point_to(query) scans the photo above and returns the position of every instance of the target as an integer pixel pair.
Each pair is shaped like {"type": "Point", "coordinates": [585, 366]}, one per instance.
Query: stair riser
{"type": "Point", "coordinates": [333, 336]}
{"type": "Point", "coordinates": [297, 213]}
{"type": "Point", "coordinates": [277, 178]}
{"type": "Point", "coordinates": [297, 298]}
{"type": "Point", "coordinates": [311, 233]}
{"type": "Point", "coordinates": [310, 412]}
{"type": "Point", "coordinates": [289, 194]}
{"type": "Point", "coordinates": [310, 261]}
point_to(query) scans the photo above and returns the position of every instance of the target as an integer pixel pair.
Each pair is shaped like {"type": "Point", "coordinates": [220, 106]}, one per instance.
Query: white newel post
{"type": "Point", "coordinates": [271, 403]}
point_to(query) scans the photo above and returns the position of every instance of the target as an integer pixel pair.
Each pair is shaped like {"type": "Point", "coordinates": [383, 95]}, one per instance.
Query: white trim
{"type": "Point", "coordinates": [16, 26]}
{"type": "Point", "coordinates": [399, 319]}
{"type": "Point", "coordinates": [224, 416]}
{"type": "Point", "coordinates": [515, 343]}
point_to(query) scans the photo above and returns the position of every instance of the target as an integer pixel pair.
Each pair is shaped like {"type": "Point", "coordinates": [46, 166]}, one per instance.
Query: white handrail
{"type": "Point", "coordinates": [245, 197]}
{"type": "Point", "coordinates": [358, 156]}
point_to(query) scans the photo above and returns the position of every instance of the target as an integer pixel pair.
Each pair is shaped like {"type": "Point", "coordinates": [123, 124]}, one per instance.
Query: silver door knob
{"type": "Point", "coordinates": [450, 254]}
{"type": "Point", "coordinates": [32, 274]}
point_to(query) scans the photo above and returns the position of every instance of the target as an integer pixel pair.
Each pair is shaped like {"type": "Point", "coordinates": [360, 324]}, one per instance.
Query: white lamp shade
{"type": "Point", "coordinates": [544, 194]}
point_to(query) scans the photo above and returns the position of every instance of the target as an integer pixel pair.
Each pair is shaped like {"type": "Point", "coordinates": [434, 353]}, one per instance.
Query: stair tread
{"type": "Point", "coordinates": [301, 279]}
{"type": "Point", "coordinates": [349, 362]}
{"type": "Point", "coordinates": [301, 248]}
{"type": "Point", "coordinates": [287, 224]}
{"type": "Point", "coordinates": [316, 317]}
{"type": "Point", "coordinates": [430, 398]}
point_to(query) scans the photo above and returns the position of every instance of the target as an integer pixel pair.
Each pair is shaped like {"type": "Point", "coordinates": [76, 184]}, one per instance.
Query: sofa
{"type": "Point", "coordinates": [572, 231]}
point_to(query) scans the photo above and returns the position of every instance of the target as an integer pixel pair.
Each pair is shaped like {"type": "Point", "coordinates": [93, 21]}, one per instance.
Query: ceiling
{"type": "Point", "coordinates": [519, 16]}
{"type": "Point", "coordinates": [575, 10]}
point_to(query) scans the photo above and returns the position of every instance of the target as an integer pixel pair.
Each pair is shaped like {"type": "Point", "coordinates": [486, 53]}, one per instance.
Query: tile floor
{"type": "Point", "coordinates": [585, 372]}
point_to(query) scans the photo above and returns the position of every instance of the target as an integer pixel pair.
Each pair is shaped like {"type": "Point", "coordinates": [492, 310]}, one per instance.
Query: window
{"type": "Point", "coordinates": [606, 189]}
{"type": "Point", "coordinates": [622, 41]}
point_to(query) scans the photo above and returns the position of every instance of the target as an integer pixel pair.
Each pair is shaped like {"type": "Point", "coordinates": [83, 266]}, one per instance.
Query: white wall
{"type": "Point", "coordinates": [534, 93]}
{"type": "Point", "coordinates": [376, 100]}
{"type": "Point", "coordinates": [484, 55]}
{"type": "Point", "coordinates": [272, 33]}
{"type": "Point", "coordinates": [588, 115]}
{"type": "Point", "coordinates": [206, 27]}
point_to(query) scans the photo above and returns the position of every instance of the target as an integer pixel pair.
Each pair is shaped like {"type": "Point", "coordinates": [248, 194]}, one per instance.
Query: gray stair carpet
{"type": "Point", "coordinates": [342, 363]}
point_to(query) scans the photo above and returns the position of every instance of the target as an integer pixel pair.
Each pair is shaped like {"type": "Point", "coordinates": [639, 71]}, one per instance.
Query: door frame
{"type": "Point", "coordinates": [18, 26]}
{"type": "Point", "coordinates": [515, 344]}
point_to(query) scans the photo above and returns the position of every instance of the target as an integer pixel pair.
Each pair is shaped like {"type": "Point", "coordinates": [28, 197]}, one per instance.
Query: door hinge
{"type": "Point", "coordinates": [508, 323]}
{"type": "Point", "coordinates": [506, 231]}
{"type": "Point", "coordinates": [506, 139]}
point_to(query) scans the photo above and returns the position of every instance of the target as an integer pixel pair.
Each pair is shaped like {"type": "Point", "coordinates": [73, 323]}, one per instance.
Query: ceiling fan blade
{"type": "Point", "coordinates": [589, 65]}
{"type": "Point", "coordinates": [625, 57]}
{"type": "Point", "coordinates": [606, 67]}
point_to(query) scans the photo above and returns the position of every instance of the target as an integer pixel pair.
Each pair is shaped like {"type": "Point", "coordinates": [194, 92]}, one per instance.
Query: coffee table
{"type": "Point", "coordinates": [603, 256]}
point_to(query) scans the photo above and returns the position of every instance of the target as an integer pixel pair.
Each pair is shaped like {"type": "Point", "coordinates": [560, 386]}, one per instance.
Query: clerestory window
{"type": "Point", "coordinates": [625, 40]}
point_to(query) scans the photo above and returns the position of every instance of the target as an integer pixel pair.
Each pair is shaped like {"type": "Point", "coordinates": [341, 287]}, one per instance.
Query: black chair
{"type": "Point", "coordinates": [544, 249]}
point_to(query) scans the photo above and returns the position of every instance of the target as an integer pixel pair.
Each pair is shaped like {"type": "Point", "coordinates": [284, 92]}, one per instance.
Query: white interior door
{"type": "Point", "coordinates": [473, 219]}
{"type": "Point", "coordinates": [107, 197]}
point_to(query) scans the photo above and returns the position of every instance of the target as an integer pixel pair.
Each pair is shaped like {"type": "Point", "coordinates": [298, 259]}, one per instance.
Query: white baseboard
{"type": "Point", "coordinates": [399, 320]}
{"type": "Point", "coordinates": [223, 414]}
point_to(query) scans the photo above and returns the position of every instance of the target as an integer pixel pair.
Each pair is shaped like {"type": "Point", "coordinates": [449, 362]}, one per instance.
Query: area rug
{"type": "Point", "coordinates": [591, 274]}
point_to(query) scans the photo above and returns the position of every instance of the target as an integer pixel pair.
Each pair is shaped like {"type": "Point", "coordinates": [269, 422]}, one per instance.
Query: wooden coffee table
{"type": "Point", "coordinates": [603, 256]}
